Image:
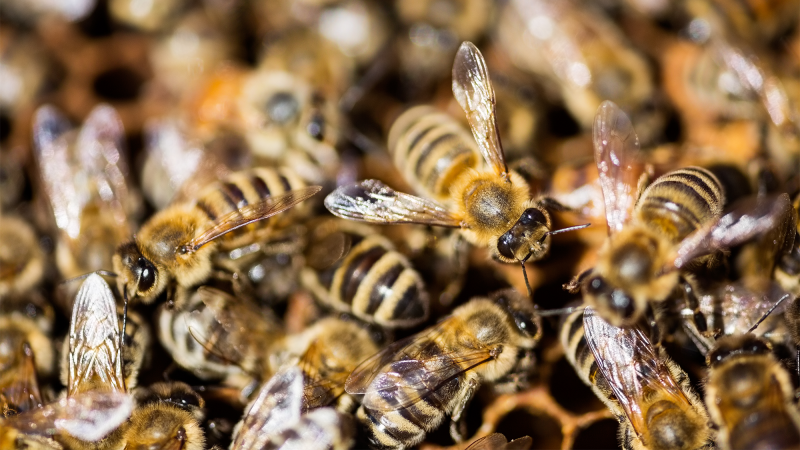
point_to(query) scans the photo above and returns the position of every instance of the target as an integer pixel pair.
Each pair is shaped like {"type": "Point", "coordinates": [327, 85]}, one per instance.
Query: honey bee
{"type": "Point", "coordinates": [360, 272]}
{"type": "Point", "coordinates": [749, 395]}
{"type": "Point", "coordinates": [413, 384]}
{"type": "Point", "coordinates": [85, 183]}
{"type": "Point", "coordinates": [96, 355]}
{"type": "Point", "coordinates": [275, 419]}
{"type": "Point", "coordinates": [659, 233]}
{"type": "Point", "coordinates": [497, 441]}
{"type": "Point", "coordinates": [579, 50]}
{"type": "Point", "coordinates": [178, 243]}
{"type": "Point", "coordinates": [21, 259]}
{"type": "Point", "coordinates": [88, 417]}
{"type": "Point", "coordinates": [328, 352]}
{"type": "Point", "coordinates": [218, 336]}
{"type": "Point", "coordinates": [492, 208]}
{"type": "Point", "coordinates": [167, 415]}
{"type": "Point", "coordinates": [647, 392]}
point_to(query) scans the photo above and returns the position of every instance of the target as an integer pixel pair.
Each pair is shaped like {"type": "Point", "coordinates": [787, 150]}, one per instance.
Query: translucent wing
{"type": "Point", "coordinates": [748, 218]}
{"type": "Point", "coordinates": [102, 161]}
{"type": "Point", "coordinates": [616, 153]}
{"type": "Point", "coordinates": [496, 441]}
{"type": "Point", "coordinates": [94, 352]}
{"type": "Point", "coordinates": [21, 393]}
{"type": "Point", "coordinates": [276, 408]}
{"type": "Point", "coordinates": [373, 201]}
{"type": "Point", "coordinates": [249, 214]}
{"type": "Point", "coordinates": [51, 149]}
{"type": "Point", "coordinates": [408, 370]}
{"type": "Point", "coordinates": [89, 416]}
{"type": "Point", "coordinates": [320, 389]}
{"type": "Point", "coordinates": [630, 364]}
{"type": "Point", "coordinates": [473, 90]}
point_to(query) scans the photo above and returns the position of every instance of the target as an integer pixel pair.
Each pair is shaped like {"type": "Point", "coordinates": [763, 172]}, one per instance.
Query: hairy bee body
{"type": "Point", "coordinates": [371, 280]}
{"type": "Point", "coordinates": [179, 242]}
{"type": "Point", "coordinates": [413, 385]}
{"type": "Point", "coordinates": [432, 150]}
{"type": "Point", "coordinates": [21, 260]}
{"type": "Point", "coordinates": [749, 396]}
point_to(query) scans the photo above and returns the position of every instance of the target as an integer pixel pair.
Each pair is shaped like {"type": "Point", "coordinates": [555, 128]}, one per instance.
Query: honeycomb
{"type": "Point", "coordinates": [378, 59]}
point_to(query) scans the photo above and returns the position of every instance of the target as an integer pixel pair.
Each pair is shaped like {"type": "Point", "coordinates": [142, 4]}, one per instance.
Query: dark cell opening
{"type": "Point", "coordinates": [120, 84]}
{"type": "Point", "coordinates": [544, 430]}
{"type": "Point", "coordinates": [561, 123]}
{"type": "Point", "coordinates": [570, 392]}
{"type": "Point", "coordinates": [5, 126]}
{"type": "Point", "coordinates": [599, 435]}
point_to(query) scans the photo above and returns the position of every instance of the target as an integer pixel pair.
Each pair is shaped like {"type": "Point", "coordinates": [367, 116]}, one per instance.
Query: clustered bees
{"type": "Point", "coordinates": [256, 224]}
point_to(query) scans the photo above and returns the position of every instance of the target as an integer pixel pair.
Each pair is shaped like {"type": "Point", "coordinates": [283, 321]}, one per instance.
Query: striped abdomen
{"type": "Point", "coordinates": [681, 201]}
{"type": "Point", "coordinates": [377, 284]}
{"type": "Point", "coordinates": [249, 187]}
{"type": "Point", "coordinates": [432, 150]}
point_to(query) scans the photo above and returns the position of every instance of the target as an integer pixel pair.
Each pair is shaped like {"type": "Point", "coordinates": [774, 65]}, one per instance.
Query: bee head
{"type": "Point", "coordinates": [745, 344]}
{"type": "Point", "coordinates": [135, 271]}
{"type": "Point", "coordinates": [521, 310]}
{"type": "Point", "coordinates": [527, 239]}
{"type": "Point", "coordinates": [613, 304]}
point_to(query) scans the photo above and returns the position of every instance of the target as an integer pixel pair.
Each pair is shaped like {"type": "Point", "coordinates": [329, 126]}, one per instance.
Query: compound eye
{"type": "Point", "coordinates": [146, 273]}
{"type": "Point", "coordinates": [504, 245]}
{"type": "Point", "coordinates": [532, 216]}
{"type": "Point", "coordinates": [719, 355]}
{"type": "Point", "coordinates": [622, 303]}
{"type": "Point", "coordinates": [526, 324]}
{"type": "Point", "coordinates": [186, 400]}
{"type": "Point", "coordinates": [596, 286]}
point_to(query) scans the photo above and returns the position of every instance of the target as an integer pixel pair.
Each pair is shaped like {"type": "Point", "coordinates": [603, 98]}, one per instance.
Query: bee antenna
{"type": "Point", "coordinates": [104, 273]}
{"type": "Point", "coordinates": [124, 319]}
{"type": "Point", "coordinates": [525, 275]}
{"type": "Point", "coordinates": [564, 230]}
{"type": "Point", "coordinates": [766, 314]}
{"type": "Point", "coordinates": [559, 311]}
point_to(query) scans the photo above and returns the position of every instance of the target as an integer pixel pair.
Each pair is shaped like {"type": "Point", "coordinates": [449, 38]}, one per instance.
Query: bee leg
{"type": "Point", "coordinates": [655, 329]}
{"type": "Point", "coordinates": [461, 263]}
{"type": "Point", "coordinates": [456, 424]}
{"type": "Point", "coordinates": [574, 286]}
{"type": "Point", "coordinates": [693, 304]}
{"type": "Point", "coordinates": [551, 204]}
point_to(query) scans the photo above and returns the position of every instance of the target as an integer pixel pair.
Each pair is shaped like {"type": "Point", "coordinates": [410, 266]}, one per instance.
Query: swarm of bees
{"type": "Point", "coordinates": [345, 224]}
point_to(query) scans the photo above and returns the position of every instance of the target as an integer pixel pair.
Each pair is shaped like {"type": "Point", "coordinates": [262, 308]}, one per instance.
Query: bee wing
{"type": "Point", "coordinates": [630, 364]}
{"type": "Point", "coordinates": [22, 394]}
{"type": "Point", "coordinates": [276, 408]}
{"type": "Point", "coordinates": [373, 201]}
{"type": "Point", "coordinates": [748, 218]}
{"type": "Point", "coordinates": [251, 213]}
{"type": "Point", "coordinates": [89, 416]}
{"type": "Point", "coordinates": [320, 389]}
{"type": "Point", "coordinates": [473, 90]}
{"type": "Point", "coordinates": [94, 337]}
{"type": "Point", "coordinates": [405, 371]}
{"type": "Point", "coordinates": [496, 441]}
{"type": "Point", "coordinates": [619, 165]}
{"type": "Point", "coordinates": [102, 161]}
{"type": "Point", "coordinates": [55, 169]}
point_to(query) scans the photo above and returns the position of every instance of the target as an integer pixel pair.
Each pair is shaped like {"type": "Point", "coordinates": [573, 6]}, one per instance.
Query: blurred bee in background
{"type": "Point", "coordinates": [86, 418]}
{"type": "Point", "coordinates": [218, 336]}
{"type": "Point", "coordinates": [581, 52]}
{"type": "Point", "coordinates": [85, 180]}
{"type": "Point", "coordinates": [497, 441]}
{"type": "Point", "coordinates": [275, 419]}
{"type": "Point", "coordinates": [492, 208]}
{"type": "Point", "coordinates": [645, 390]}
{"type": "Point", "coordinates": [21, 259]}
{"type": "Point", "coordinates": [749, 395]}
{"type": "Point", "coordinates": [410, 386]}
{"type": "Point", "coordinates": [661, 232]}
{"type": "Point", "coordinates": [147, 17]}
{"type": "Point", "coordinates": [352, 269]}
{"type": "Point", "coordinates": [326, 353]}
{"type": "Point", "coordinates": [167, 415]}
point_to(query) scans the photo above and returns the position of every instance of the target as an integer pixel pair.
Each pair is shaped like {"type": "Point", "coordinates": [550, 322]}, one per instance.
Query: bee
{"type": "Point", "coordinates": [360, 272]}
{"type": "Point", "coordinates": [491, 207]}
{"type": "Point", "coordinates": [178, 243]}
{"type": "Point", "coordinates": [659, 233]}
{"type": "Point", "coordinates": [167, 415]}
{"type": "Point", "coordinates": [96, 355]}
{"type": "Point", "coordinates": [579, 50]}
{"type": "Point", "coordinates": [328, 352]}
{"type": "Point", "coordinates": [21, 259]}
{"type": "Point", "coordinates": [647, 392]}
{"type": "Point", "coordinates": [275, 419]}
{"type": "Point", "coordinates": [409, 387]}
{"type": "Point", "coordinates": [88, 417]}
{"type": "Point", "coordinates": [749, 395]}
{"type": "Point", "coordinates": [787, 267]}
{"type": "Point", "coordinates": [496, 441]}
{"type": "Point", "coordinates": [218, 336]}
{"type": "Point", "coordinates": [86, 186]}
